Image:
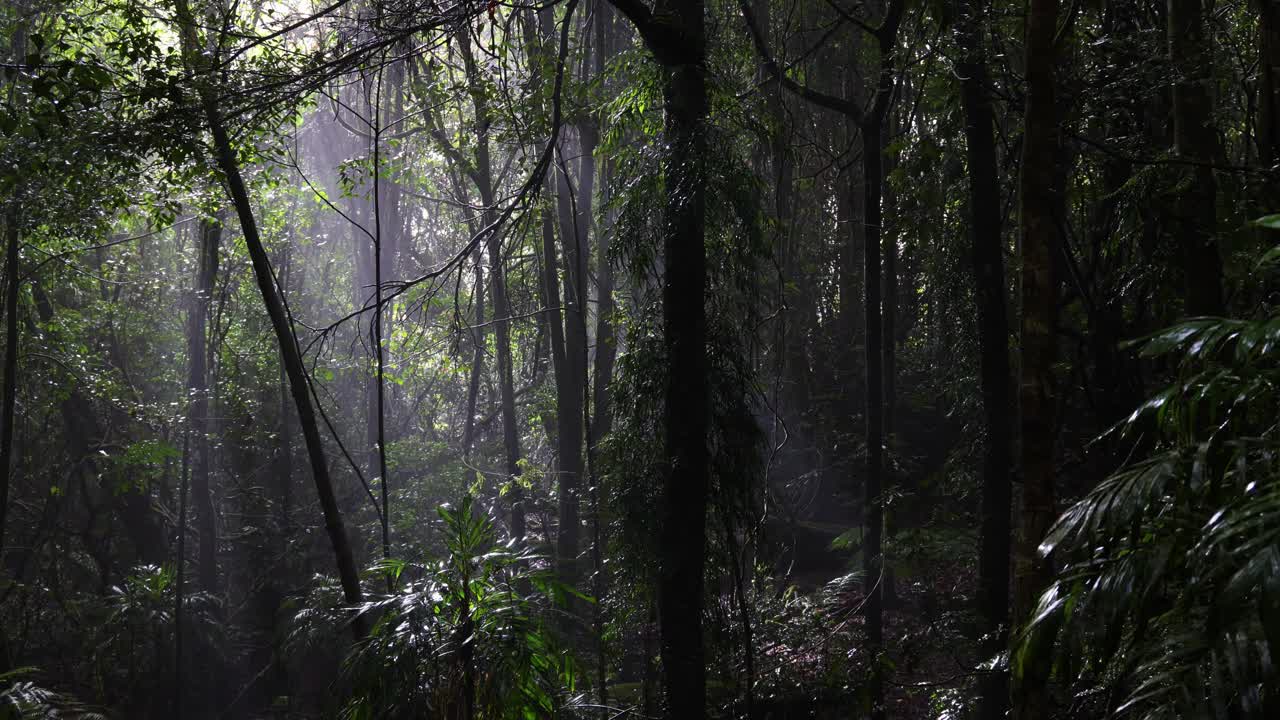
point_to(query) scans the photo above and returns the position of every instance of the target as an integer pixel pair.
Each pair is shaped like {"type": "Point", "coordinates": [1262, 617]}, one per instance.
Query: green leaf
{"type": "Point", "coordinates": [1270, 222]}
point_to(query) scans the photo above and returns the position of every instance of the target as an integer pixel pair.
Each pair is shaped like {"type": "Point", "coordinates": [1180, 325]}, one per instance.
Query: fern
{"type": "Point", "coordinates": [1169, 596]}
{"type": "Point", "coordinates": [463, 628]}
{"type": "Point", "coordinates": [22, 699]}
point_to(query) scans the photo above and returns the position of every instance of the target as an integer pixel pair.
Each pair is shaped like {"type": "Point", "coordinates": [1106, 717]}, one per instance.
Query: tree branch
{"type": "Point", "coordinates": [831, 102]}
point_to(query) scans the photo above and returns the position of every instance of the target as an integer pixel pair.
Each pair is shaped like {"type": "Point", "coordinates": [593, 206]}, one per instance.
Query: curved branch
{"type": "Point", "coordinates": [831, 102]}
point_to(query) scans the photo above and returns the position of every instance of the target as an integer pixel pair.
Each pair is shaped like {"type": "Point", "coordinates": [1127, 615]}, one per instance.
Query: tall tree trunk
{"type": "Point", "coordinates": [890, 349]}
{"type": "Point", "coordinates": [1194, 210]}
{"type": "Point", "coordinates": [483, 177]}
{"type": "Point", "coordinates": [1040, 192]}
{"type": "Point", "coordinates": [7, 414]}
{"type": "Point", "coordinates": [570, 387]}
{"type": "Point", "coordinates": [179, 581]}
{"type": "Point", "coordinates": [601, 37]}
{"type": "Point", "coordinates": [284, 439]}
{"type": "Point", "coordinates": [379, 426]}
{"type": "Point", "coordinates": [873, 150]}
{"type": "Point", "coordinates": [873, 502]}
{"type": "Point", "coordinates": [606, 342]}
{"type": "Point", "coordinates": [290, 353]}
{"type": "Point", "coordinates": [986, 240]}
{"type": "Point", "coordinates": [1268, 123]}
{"type": "Point", "coordinates": [675, 33]}
{"type": "Point", "coordinates": [210, 237]}
{"type": "Point", "coordinates": [477, 361]}
{"type": "Point", "coordinates": [197, 447]}
{"type": "Point", "coordinates": [686, 412]}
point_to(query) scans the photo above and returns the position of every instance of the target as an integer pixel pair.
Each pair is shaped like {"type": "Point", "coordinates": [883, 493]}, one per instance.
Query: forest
{"type": "Point", "coordinates": [639, 359]}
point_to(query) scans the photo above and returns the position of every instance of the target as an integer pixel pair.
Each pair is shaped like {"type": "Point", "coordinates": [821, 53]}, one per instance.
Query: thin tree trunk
{"type": "Point", "coordinates": [890, 349]}
{"type": "Point", "coordinates": [179, 581]}
{"type": "Point", "coordinates": [289, 350]}
{"type": "Point", "coordinates": [284, 439]}
{"type": "Point", "coordinates": [987, 251]}
{"type": "Point", "coordinates": [380, 424]}
{"type": "Point", "coordinates": [873, 560]}
{"type": "Point", "coordinates": [873, 149]}
{"type": "Point", "coordinates": [1039, 190]}
{"type": "Point", "coordinates": [477, 362]}
{"type": "Point", "coordinates": [210, 236]}
{"type": "Point", "coordinates": [1194, 210]}
{"type": "Point", "coordinates": [597, 418]}
{"type": "Point", "coordinates": [570, 390]}
{"type": "Point", "coordinates": [7, 414]}
{"type": "Point", "coordinates": [1268, 123]}
{"type": "Point", "coordinates": [498, 289]}
{"type": "Point", "coordinates": [606, 343]}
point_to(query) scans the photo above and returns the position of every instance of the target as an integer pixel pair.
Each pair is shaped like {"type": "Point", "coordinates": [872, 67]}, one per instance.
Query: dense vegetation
{"type": "Point", "coordinates": [757, 359]}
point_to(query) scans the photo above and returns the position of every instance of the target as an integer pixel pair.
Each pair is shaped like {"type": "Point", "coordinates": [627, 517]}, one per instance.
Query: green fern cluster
{"type": "Point", "coordinates": [465, 631]}
{"type": "Point", "coordinates": [23, 699]}
{"type": "Point", "coordinates": [1168, 601]}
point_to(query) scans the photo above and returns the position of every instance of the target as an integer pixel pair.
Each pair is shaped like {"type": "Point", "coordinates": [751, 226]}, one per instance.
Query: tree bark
{"type": "Point", "coordinates": [1194, 209]}
{"type": "Point", "coordinates": [210, 236]}
{"type": "Point", "coordinates": [986, 240]}
{"type": "Point", "coordinates": [873, 502]}
{"type": "Point", "coordinates": [873, 150]}
{"type": "Point", "coordinates": [7, 414]}
{"type": "Point", "coordinates": [1040, 193]}
{"type": "Point", "coordinates": [571, 389]}
{"type": "Point", "coordinates": [570, 385]}
{"type": "Point", "coordinates": [675, 34]}
{"type": "Point", "coordinates": [483, 179]}
{"type": "Point", "coordinates": [284, 439]}
{"type": "Point", "coordinates": [1268, 123]}
{"type": "Point", "coordinates": [606, 343]}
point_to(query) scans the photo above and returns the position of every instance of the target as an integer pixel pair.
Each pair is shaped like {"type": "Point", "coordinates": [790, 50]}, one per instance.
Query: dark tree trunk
{"type": "Point", "coordinates": [477, 362]}
{"type": "Point", "coordinates": [686, 415]}
{"type": "Point", "coordinates": [890, 349]}
{"type": "Point", "coordinates": [12, 281]}
{"type": "Point", "coordinates": [179, 582]}
{"type": "Point", "coordinates": [1194, 209]}
{"type": "Point", "coordinates": [1040, 193]}
{"type": "Point", "coordinates": [571, 385]}
{"type": "Point", "coordinates": [291, 355]}
{"type": "Point", "coordinates": [210, 237]}
{"type": "Point", "coordinates": [674, 32]}
{"type": "Point", "coordinates": [284, 439]}
{"type": "Point", "coordinates": [601, 37]}
{"type": "Point", "coordinates": [1268, 128]}
{"type": "Point", "coordinates": [873, 502]}
{"type": "Point", "coordinates": [606, 343]}
{"type": "Point", "coordinates": [873, 149]}
{"type": "Point", "coordinates": [498, 290]}
{"type": "Point", "coordinates": [197, 458]}
{"type": "Point", "coordinates": [986, 239]}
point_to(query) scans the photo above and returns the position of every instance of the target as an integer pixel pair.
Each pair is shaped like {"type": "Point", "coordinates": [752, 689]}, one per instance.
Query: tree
{"type": "Point", "coordinates": [674, 32]}
{"type": "Point", "coordinates": [291, 357]}
{"type": "Point", "coordinates": [987, 245]}
{"type": "Point", "coordinates": [1040, 195]}
{"type": "Point", "coordinates": [1194, 210]}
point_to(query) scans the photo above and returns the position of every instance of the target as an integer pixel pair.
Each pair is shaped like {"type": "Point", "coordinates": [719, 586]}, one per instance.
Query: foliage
{"type": "Point", "coordinates": [1169, 597]}
{"type": "Point", "coordinates": [461, 629]}
{"type": "Point", "coordinates": [23, 699]}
